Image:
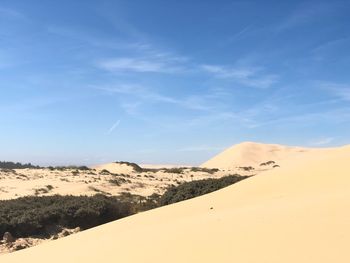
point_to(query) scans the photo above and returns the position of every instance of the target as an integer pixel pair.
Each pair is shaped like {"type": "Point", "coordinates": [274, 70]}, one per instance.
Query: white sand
{"type": "Point", "coordinates": [115, 168]}
{"type": "Point", "coordinates": [158, 166]}
{"type": "Point", "coordinates": [298, 213]}
{"type": "Point", "coordinates": [24, 182]}
{"type": "Point", "coordinates": [253, 154]}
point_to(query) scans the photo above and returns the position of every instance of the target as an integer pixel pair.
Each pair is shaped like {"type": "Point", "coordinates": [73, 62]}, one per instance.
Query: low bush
{"type": "Point", "coordinates": [12, 165]}
{"type": "Point", "coordinates": [196, 188]}
{"type": "Point", "coordinates": [267, 163]}
{"type": "Point", "coordinates": [30, 215]}
{"type": "Point", "coordinates": [70, 167]}
{"type": "Point", "coordinates": [136, 167]}
{"type": "Point", "coordinates": [117, 181]}
{"type": "Point", "coordinates": [205, 170]}
{"type": "Point", "coordinates": [246, 168]}
{"type": "Point", "coordinates": [175, 170]}
{"type": "Point", "coordinates": [105, 172]}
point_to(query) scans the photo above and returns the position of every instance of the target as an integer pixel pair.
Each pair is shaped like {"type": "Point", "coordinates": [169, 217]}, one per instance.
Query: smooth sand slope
{"type": "Point", "coordinates": [252, 154]}
{"type": "Point", "coordinates": [296, 213]}
{"type": "Point", "coordinates": [115, 168]}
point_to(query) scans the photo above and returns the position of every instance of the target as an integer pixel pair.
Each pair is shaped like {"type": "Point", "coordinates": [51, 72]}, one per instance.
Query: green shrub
{"type": "Point", "coordinates": [205, 170]}
{"type": "Point", "coordinates": [105, 172]}
{"type": "Point", "coordinates": [30, 215]}
{"type": "Point", "coordinates": [118, 181]}
{"type": "Point", "coordinates": [246, 168]}
{"type": "Point", "coordinates": [267, 163]}
{"type": "Point", "coordinates": [175, 170]}
{"type": "Point", "coordinates": [136, 167]}
{"type": "Point", "coordinates": [12, 165]}
{"type": "Point", "coordinates": [70, 167]}
{"type": "Point", "coordinates": [196, 188]}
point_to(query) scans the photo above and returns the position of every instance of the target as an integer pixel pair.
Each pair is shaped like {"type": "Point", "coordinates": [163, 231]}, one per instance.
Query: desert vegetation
{"type": "Point", "coordinates": [246, 168]}
{"type": "Point", "coordinates": [196, 188]}
{"type": "Point", "coordinates": [70, 167]}
{"type": "Point", "coordinates": [204, 170]}
{"type": "Point", "coordinates": [173, 170]}
{"type": "Point", "coordinates": [32, 215]}
{"type": "Point", "coordinates": [12, 165]}
{"type": "Point", "coordinates": [135, 166]}
{"type": "Point", "coordinates": [267, 163]}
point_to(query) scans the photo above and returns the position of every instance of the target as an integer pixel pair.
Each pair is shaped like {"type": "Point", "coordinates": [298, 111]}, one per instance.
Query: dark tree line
{"type": "Point", "coordinates": [12, 165]}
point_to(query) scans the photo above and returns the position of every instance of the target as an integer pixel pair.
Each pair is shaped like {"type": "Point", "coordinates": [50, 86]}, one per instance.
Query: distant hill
{"type": "Point", "coordinates": [252, 154]}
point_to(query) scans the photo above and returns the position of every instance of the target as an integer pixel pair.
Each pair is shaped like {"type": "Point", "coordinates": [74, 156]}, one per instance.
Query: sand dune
{"type": "Point", "coordinates": [159, 166]}
{"type": "Point", "coordinates": [296, 213]}
{"type": "Point", "coordinates": [115, 168]}
{"type": "Point", "coordinates": [252, 154]}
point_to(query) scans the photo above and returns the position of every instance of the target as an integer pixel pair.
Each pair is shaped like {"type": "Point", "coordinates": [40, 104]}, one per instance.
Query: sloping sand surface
{"type": "Point", "coordinates": [253, 154]}
{"type": "Point", "coordinates": [115, 168]}
{"type": "Point", "coordinates": [296, 213]}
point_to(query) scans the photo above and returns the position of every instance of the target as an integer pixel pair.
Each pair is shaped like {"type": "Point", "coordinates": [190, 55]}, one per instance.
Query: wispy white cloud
{"type": "Point", "coordinates": [139, 55]}
{"type": "Point", "coordinates": [331, 45]}
{"type": "Point", "coordinates": [330, 49]}
{"type": "Point", "coordinates": [157, 63]}
{"type": "Point", "coordinates": [117, 18]}
{"type": "Point", "coordinates": [276, 110]}
{"type": "Point", "coordinates": [132, 64]}
{"type": "Point", "coordinates": [334, 116]}
{"type": "Point", "coordinates": [145, 58]}
{"type": "Point", "coordinates": [113, 127]}
{"type": "Point", "coordinates": [339, 90]}
{"type": "Point", "coordinates": [210, 108]}
{"type": "Point", "coordinates": [220, 117]}
{"type": "Point", "coordinates": [322, 141]}
{"type": "Point", "coordinates": [139, 91]}
{"type": "Point", "coordinates": [251, 77]}
{"type": "Point", "coordinates": [223, 72]}
{"type": "Point", "coordinates": [131, 108]}
{"type": "Point", "coordinates": [343, 93]}
{"type": "Point", "coordinates": [306, 13]}
{"type": "Point", "coordinates": [240, 34]}
{"type": "Point", "coordinates": [148, 95]}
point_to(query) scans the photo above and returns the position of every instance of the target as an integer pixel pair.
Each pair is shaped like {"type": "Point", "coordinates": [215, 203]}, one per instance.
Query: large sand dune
{"type": "Point", "coordinates": [253, 154]}
{"type": "Point", "coordinates": [296, 213]}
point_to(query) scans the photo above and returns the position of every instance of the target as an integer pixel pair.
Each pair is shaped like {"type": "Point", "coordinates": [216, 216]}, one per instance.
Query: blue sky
{"type": "Point", "coordinates": [85, 82]}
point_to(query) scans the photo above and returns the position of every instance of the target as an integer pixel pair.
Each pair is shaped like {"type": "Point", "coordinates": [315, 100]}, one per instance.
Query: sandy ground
{"type": "Point", "coordinates": [24, 182]}
{"type": "Point", "coordinates": [122, 178]}
{"type": "Point", "coordinates": [244, 159]}
{"type": "Point", "coordinates": [295, 213]}
{"type": "Point", "coordinates": [253, 154]}
{"type": "Point", "coordinates": [23, 243]}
